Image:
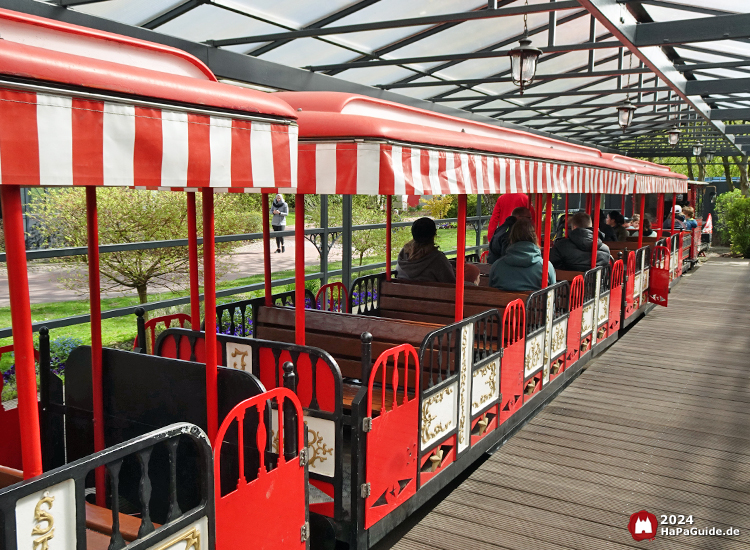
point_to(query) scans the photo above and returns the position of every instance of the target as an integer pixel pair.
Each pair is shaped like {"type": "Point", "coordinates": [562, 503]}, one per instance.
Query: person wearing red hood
{"type": "Point", "coordinates": [504, 207]}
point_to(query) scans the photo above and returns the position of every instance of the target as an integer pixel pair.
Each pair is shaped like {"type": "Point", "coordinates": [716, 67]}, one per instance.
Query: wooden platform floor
{"type": "Point", "coordinates": [668, 433]}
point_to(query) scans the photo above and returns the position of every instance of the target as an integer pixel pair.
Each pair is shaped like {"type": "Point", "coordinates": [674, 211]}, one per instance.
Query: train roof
{"type": "Point", "coordinates": [95, 108]}
{"type": "Point", "coordinates": [333, 116]}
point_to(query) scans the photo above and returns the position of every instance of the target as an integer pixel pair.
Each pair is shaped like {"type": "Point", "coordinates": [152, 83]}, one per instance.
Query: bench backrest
{"type": "Point", "coordinates": [435, 302]}
{"type": "Point", "coordinates": [340, 334]}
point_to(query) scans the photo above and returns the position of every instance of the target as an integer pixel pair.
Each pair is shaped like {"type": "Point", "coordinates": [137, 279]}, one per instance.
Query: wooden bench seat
{"type": "Point", "coordinates": [563, 275]}
{"type": "Point", "coordinates": [435, 302]}
{"type": "Point", "coordinates": [99, 519]}
{"type": "Point", "coordinates": [350, 391]}
{"type": "Point", "coordinates": [9, 476]}
{"type": "Point", "coordinates": [340, 334]}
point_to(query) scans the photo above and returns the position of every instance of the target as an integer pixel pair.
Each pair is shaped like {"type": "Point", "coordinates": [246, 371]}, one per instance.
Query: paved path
{"type": "Point", "coordinates": [44, 285]}
{"type": "Point", "coordinates": [660, 422]}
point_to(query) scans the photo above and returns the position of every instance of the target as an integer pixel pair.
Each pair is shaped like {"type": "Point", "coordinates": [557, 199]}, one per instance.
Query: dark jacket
{"type": "Point", "coordinates": [573, 253]}
{"type": "Point", "coordinates": [433, 267]}
{"type": "Point", "coordinates": [520, 269]}
{"type": "Point", "coordinates": [620, 232]}
{"type": "Point", "coordinates": [500, 240]}
{"type": "Point", "coordinates": [678, 222]}
{"type": "Point", "coordinates": [607, 232]}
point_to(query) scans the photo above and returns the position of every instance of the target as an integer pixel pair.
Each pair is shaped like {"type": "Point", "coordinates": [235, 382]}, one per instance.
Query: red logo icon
{"type": "Point", "coordinates": [643, 525]}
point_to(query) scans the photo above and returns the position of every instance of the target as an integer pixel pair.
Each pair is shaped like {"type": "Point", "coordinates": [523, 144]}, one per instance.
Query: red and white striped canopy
{"type": "Point", "coordinates": [656, 184]}
{"type": "Point", "coordinates": [367, 168]}
{"type": "Point", "coordinates": [61, 140]}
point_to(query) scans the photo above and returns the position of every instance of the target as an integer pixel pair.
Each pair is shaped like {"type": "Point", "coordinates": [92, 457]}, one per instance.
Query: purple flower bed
{"type": "Point", "coordinates": [60, 349]}
{"type": "Point", "coordinates": [359, 298]}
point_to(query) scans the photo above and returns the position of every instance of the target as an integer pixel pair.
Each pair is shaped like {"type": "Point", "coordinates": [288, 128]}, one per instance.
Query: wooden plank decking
{"type": "Point", "coordinates": [660, 422]}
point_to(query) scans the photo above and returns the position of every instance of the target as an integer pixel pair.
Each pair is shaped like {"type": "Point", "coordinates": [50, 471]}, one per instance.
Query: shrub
{"type": "Point", "coordinates": [738, 225]}
{"type": "Point", "coordinates": [723, 203]}
{"type": "Point", "coordinates": [438, 206]}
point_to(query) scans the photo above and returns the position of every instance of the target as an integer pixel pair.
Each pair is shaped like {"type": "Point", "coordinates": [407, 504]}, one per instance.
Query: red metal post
{"type": "Point", "coordinates": [640, 223]}
{"type": "Point", "coordinates": [538, 213]}
{"type": "Point", "coordinates": [209, 290]}
{"type": "Point", "coordinates": [95, 308]}
{"type": "Point", "coordinates": [660, 214]}
{"type": "Point", "coordinates": [546, 241]}
{"type": "Point", "coordinates": [299, 269]}
{"type": "Point", "coordinates": [595, 228]}
{"type": "Point", "coordinates": [388, 229]}
{"type": "Point", "coordinates": [565, 229]}
{"type": "Point", "coordinates": [460, 257]}
{"type": "Point", "coordinates": [266, 251]}
{"type": "Point", "coordinates": [23, 340]}
{"type": "Point", "coordinates": [195, 299]}
{"type": "Point", "coordinates": [623, 204]}
{"type": "Point", "coordinates": [674, 211]}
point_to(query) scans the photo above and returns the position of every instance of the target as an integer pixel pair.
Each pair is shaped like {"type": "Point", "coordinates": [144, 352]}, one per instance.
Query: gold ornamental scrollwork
{"type": "Point", "coordinates": [44, 523]}
{"type": "Point", "coordinates": [586, 321]}
{"type": "Point", "coordinates": [558, 339]}
{"type": "Point", "coordinates": [603, 308]}
{"type": "Point", "coordinates": [318, 448]}
{"type": "Point", "coordinates": [491, 370]}
{"type": "Point", "coordinates": [242, 355]}
{"type": "Point", "coordinates": [464, 382]}
{"type": "Point", "coordinates": [192, 540]}
{"type": "Point", "coordinates": [428, 431]}
{"type": "Point", "coordinates": [534, 354]}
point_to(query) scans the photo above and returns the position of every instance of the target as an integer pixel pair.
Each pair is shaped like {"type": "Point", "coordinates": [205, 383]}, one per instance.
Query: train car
{"type": "Point", "coordinates": [117, 464]}
{"type": "Point", "coordinates": [471, 364]}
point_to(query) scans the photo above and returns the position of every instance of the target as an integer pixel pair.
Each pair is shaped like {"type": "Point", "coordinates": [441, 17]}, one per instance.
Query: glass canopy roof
{"type": "Point", "coordinates": [454, 53]}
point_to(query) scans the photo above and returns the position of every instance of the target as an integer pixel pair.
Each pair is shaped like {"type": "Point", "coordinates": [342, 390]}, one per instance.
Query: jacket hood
{"type": "Point", "coordinates": [523, 254]}
{"type": "Point", "coordinates": [420, 268]}
{"type": "Point", "coordinates": [583, 237]}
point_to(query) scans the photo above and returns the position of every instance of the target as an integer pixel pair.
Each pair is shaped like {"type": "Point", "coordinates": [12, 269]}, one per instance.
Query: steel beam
{"type": "Point", "coordinates": [399, 23]}
{"type": "Point", "coordinates": [456, 57]}
{"type": "Point", "coordinates": [687, 68]}
{"type": "Point", "coordinates": [705, 29]}
{"type": "Point", "coordinates": [730, 114]}
{"type": "Point", "coordinates": [624, 27]}
{"type": "Point", "coordinates": [738, 128]}
{"type": "Point", "coordinates": [718, 86]}
{"type": "Point", "coordinates": [525, 94]}
{"type": "Point", "coordinates": [173, 13]}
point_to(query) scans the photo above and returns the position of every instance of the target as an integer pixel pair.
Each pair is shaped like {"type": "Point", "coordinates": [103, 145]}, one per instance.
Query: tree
{"type": "Point", "coordinates": [128, 216]}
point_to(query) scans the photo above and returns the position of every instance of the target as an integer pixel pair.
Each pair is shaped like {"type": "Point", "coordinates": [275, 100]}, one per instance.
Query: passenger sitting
{"type": "Point", "coordinates": [679, 219]}
{"type": "Point", "coordinates": [634, 222]}
{"type": "Point", "coordinates": [690, 222]}
{"type": "Point", "coordinates": [521, 267]}
{"type": "Point", "coordinates": [420, 259]}
{"type": "Point", "coordinates": [500, 239]}
{"type": "Point", "coordinates": [616, 221]}
{"type": "Point", "coordinates": [608, 233]}
{"type": "Point", "coordinates": [471, 274]}
{"type": "Point", "coordinates": [647, 231]}
{"type": "Point", "coordinates": [573, 253]}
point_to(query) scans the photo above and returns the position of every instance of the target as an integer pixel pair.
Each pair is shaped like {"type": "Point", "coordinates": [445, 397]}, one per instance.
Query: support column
{"type": "Point", "coordinates": [346, 241]}
{"type": "Point", "coordinates": [299, 269]}
{"type": "Point", "coordinates": [546, 241]}
{"type": "Point", "coordinates": [388, 230]}
{"type": "Point", "coordinates": [23, 341]}
{"type": "Point", "coordinates": [660, 215]}
{"type": "Point", "coordinates": [565, 229]}
{"type": "Point", "coordinates": [195, 304]}
{"type": "Point", "coordinates": [324, 237]}
{"type": "Point", "coordinates": [268, 290]}
{"type": "Point", "coordinates": [209, 291]}
{"type": "Point", "coordinates": [95, 309]}
{"type": "Point", "coordinates": [640, 223]}
{"type": "Point", "coordinates": [595, 224]}
{"type": "Point", "coordinates": [460, 258]}
{"type": "Point", "coordinates": [479, 224]}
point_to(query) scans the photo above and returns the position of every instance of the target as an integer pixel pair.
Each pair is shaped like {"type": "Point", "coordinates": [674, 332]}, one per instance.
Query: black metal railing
{"type": "Point", "coordinates": [365, 293]}
{"type": "Point", "coordinates": [66, 486]}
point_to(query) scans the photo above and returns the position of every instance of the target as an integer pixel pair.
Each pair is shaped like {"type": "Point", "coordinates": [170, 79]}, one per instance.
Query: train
{"type": "Point", "coordinates": [318, 418]}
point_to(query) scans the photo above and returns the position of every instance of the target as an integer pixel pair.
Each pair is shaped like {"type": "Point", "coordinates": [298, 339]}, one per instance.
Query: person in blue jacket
{"type": "Point", "coordinates": [520, 269]}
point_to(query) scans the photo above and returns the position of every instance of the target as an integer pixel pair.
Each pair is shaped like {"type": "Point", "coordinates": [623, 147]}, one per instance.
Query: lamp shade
{"type": "Point", "coordinates": [697, 149]}
{"type": "Point", "coordinates": [523, 60]}
{"type": "Point", "coordinates": [709, 156]}
{"type": "Point", "coordinates": [625, 114]}
{"type": "Point", "coordinates": [674, 136]}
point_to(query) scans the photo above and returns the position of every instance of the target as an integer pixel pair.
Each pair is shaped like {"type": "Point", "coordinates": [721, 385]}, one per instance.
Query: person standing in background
{"type": "Point", "coordinates": [504, 208]}
{"type": "Point", "coordinates": [279, 211]}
